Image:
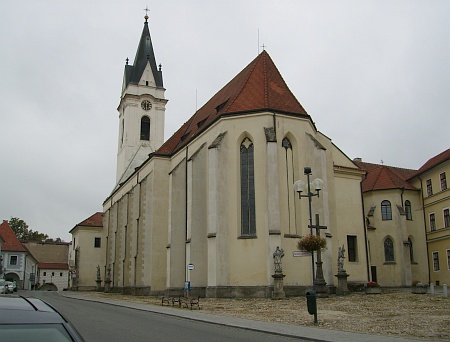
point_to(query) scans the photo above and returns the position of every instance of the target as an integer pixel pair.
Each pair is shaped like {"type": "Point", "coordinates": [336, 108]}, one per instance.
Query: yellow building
{"type": "Point", "coordinates": [431, 178]}
{"type": "Point", "coordinates": [86, 253]}
{"type": "Point", "coordinates": [396, 240]}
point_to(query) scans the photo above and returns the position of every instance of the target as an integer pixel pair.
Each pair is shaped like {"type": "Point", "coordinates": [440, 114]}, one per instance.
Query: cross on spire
{"type": "Point", "coordinates": [146, 13]}
{"type": "Point", "coordinates": [264, 47]}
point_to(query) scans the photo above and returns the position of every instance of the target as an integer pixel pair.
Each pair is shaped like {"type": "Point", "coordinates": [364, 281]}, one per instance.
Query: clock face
{"type": "Point", "coordinates": [146, 105]}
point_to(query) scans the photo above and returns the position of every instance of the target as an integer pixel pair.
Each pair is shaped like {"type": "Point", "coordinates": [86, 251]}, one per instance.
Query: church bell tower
{"type": "Point", "coordinates": [141, 109]}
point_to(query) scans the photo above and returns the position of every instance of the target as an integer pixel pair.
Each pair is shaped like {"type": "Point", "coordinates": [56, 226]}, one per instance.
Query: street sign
{"type": "Point", "coordinates": [190, 267]}
{"type": "Point", "coordinates": [301, 253]}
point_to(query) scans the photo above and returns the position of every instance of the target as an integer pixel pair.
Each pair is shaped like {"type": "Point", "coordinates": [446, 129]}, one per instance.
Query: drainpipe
{"type": "Point", "coordinates": [365, 234]}
{"type": "Point", "coordinates": [186, 213]}
{"type": "Point", "coordinates": [425, 228]}
{"type": "Point", "coordinates": [401, 197]}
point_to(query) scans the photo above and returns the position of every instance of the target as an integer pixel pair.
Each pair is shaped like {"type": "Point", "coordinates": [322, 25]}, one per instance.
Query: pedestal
{"type": "Point", "coordinates": [278, 291]}
{"type": "Point", "coordinates": [108, 285]}
{"type": "Point", "coordinates": [319, 283]}
{"type": "Point", "coordinates": [99, 285]}
{"type": "Point", "coordinates": [419, 290]}
{"type": "Point", "coordinates": [342, 288]}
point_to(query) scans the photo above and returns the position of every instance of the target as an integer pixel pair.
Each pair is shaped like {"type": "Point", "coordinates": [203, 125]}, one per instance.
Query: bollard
{"type": "Point", "coordinates": [432, 288]}
{"type": "Point", "coordinates": [444, 289]}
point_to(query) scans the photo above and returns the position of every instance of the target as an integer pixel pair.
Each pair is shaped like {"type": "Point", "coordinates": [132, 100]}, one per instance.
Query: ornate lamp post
{"type": "Point", "coordinates": [300, 186]}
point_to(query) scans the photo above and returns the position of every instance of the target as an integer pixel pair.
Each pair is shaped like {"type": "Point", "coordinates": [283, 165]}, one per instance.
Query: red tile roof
{"type": "Point", "coordinates": [436, 160]}
{"type": "Point", "coordinates": [53, 266]}
{"type": "Point", "coordinates": [383, 177]}
{"type": "Point", "coordinates": [93, 221]}
{"type": "Point", "coordinates": [259, 87]}
{"type": "Point", "coordinates": [12, 243]}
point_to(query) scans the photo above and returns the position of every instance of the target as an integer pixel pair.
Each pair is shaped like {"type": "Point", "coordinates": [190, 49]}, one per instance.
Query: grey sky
{"type": "Point", "coordinates": [374, 76]}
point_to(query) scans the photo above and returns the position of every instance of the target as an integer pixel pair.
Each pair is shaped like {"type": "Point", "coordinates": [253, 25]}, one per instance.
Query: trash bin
{"type": "Point", "coordinates": [311, 302]}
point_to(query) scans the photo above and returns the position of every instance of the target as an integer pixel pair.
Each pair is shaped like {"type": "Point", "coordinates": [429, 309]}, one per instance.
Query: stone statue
{"type": "Point", "coordinates": [341, 257]}
{"type": "Point", "coordinates": [98, 271]}
{"type": "Point", "coordinates": [277, 255]}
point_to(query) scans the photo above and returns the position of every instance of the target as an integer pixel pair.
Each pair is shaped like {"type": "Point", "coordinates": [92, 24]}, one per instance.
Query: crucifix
{"type": "Point", "coordinates": [319, 282]}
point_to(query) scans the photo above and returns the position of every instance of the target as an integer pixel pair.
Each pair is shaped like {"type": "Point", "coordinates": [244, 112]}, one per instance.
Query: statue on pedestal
{"type": "Point", "coordinates": [277, 255]}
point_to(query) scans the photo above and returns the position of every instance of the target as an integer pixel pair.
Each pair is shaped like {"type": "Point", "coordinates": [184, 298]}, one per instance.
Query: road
{"type": "Point", "coordinates": [98, 322]}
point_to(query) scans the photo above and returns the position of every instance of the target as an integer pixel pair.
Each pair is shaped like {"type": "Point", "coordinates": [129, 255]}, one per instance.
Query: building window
{"type": "Point", "coordinates": [443, 181]}
{"type": "Point", "coordinates": [411, 250]}
{"type": "Point", "coordinates": [446, 218]}
{"type": "Point", "coordinates": [351, 248]}
{"type": "Point", "coordinates": [408, 210]}
{"type": "Point", "coordinates": [145, 128]}
{"type": "Point", "coordinates": [97, 242]}
{"type": "Point", "coordinates": [436, 261]}
{"type": "Point", "coordinates": [60, 274]}
{"type": "Point", "coordinates": [448, 259]}
{"type": "Point", "coordinates": [45, 273]}
{"type": "Point", "coordinates": [429, 187]}
{"type": "Point", "coordinates": [389, 250]}
{"type": "Point", "coordinates": [13, 260]}
{"type": "Point", "coordinates": [53, 274]}
{"type": "Point", "coordinates": [248, 226]}
{"type": "Point", "coordinates": [386, 211]}
{"type": "Point", "coordinates": [432, 222]}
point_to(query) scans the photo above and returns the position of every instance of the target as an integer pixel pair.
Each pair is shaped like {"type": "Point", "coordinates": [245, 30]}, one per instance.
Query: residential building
{"type": "Point", "coordinates": [53, 263]}
{"type": "Point", "coordinates": [86, 253]}
{"type": "Point", "coordinates": [432, 179]}
{"type": "Point", "coordinates": [18, 263]}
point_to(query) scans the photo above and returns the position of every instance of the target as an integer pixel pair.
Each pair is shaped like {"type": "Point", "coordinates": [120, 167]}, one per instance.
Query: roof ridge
{"type": "Point", "coordinates": [251, 66]}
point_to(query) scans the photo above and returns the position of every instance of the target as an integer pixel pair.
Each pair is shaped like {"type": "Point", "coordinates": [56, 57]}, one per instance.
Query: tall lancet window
{"type": "Point", "coordinates": [248, 226]}
{"type": "Point", "coordinates": [289, 164]}
{"type": "Point", "coordinates": [145, 128]}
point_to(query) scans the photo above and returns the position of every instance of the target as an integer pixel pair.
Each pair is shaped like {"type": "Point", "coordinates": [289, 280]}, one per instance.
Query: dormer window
{"type": "Point", "coordinates": [200, 123]}
{"type": "Point", "coordinates": [221, 106]}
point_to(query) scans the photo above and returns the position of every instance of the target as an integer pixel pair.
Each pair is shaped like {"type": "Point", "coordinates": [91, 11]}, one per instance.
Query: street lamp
{"type": "Point", "coordinates": [311, 187]}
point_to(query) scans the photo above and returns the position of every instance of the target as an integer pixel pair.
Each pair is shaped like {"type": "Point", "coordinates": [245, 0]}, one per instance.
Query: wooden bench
{"type": "Point", "coordinates": [170, 300]}
{"type": "Point", "coordinates": [190, 302]}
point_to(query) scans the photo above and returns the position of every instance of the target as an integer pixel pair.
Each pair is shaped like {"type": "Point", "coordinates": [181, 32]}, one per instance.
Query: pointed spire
{"type": "Point", "coordinates": [143, 56]}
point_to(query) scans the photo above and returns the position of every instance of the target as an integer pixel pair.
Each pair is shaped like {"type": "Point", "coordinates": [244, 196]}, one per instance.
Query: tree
{"type": "Point", "coordinates": [20, 228]}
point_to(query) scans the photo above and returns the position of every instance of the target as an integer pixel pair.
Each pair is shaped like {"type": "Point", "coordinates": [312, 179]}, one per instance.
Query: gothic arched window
{"type": "Point", "coordinates": [388, 250]}
{"type": "Point", "coordinates": [289, 164]}
{"type": "Point", "coordinates": [386, 211]}
{"type": "Point", "coordinates": [145, 128]}
{"type": "Point", "coordinates": [408, 210]}
{"type": "Point", "coordinates": [411, 250]}
{"type": "Point", "coordinates": [247, 167]}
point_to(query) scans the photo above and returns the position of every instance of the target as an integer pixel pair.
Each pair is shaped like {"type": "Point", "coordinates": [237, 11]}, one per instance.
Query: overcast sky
{"type": "Point", "coordinates": [374, 76]}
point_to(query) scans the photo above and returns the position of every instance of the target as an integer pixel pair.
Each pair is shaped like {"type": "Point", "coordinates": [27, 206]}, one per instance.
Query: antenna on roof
{"type": "Point", "coordinates": [258, 42]}
{"type": "Point", "coordinates": [382, 163]}
{"type": "Point", "coordinates": [196, 100]}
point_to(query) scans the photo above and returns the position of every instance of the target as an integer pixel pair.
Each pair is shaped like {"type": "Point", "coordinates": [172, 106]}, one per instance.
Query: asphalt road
{"type": "Point", "coordinates": [99, 322]}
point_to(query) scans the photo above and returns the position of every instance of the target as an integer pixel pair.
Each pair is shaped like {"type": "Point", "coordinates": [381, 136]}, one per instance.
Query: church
{"type": "Point", "coordinates": [209, 206]}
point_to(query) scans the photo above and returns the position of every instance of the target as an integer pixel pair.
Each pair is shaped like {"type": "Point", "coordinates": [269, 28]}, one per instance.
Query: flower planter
{"type": "Point", "coordinates": [419, 290]}
{"type": "Point", "coordinates": [373, 290]}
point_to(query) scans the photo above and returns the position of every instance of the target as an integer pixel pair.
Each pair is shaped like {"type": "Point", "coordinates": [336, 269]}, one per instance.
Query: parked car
{"type": "Point", "coordinates": [3, 288]}
{"type": "Point", "coordinates": [31, 319]}
{"type": "Point", "coordinates": [11, 286]}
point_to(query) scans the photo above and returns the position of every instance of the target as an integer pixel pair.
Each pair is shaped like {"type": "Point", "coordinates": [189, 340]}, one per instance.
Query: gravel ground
{"type": "Point", "coordinates": [395, 312]}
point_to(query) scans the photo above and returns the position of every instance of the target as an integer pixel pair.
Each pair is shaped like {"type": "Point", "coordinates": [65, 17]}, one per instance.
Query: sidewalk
{"type": "Point", "coordinates": [309, 333]}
